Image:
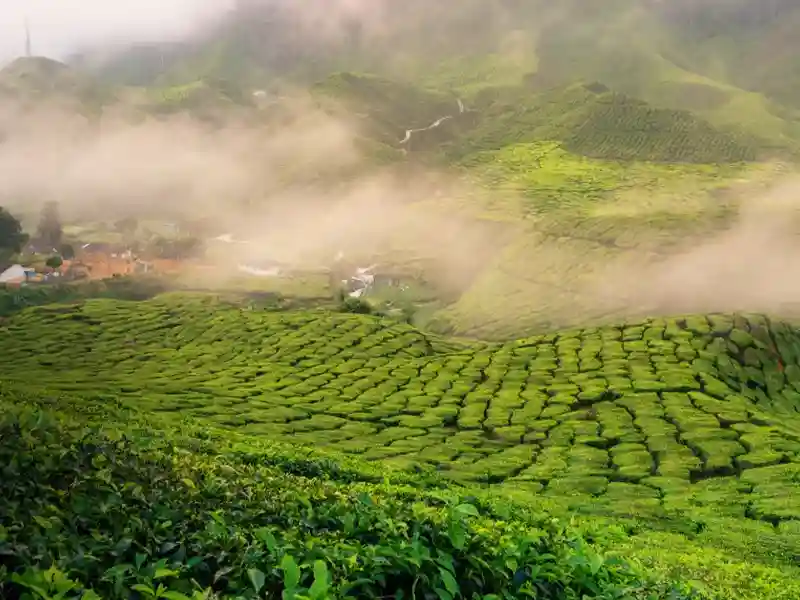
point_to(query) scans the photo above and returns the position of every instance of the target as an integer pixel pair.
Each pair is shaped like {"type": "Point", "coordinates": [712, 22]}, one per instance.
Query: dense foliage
{"type": "Point", "coordinates": [89, 513]}
{"type": "Point", "coordinates": [12, 238]}
{"type": "Point", "coordinates": [686, 425]}
{"type": "Point", "coordinates": [592, 120]}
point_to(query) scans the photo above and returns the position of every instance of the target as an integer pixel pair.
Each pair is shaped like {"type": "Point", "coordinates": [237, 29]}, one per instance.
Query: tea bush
{"type": "Point", "coordinates": [685, 427]}
{"type": "Point", "coordinates": [119, 512]}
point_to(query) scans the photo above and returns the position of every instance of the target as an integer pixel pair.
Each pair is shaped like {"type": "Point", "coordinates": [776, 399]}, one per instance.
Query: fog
{"type": "Point", "coordinates": [60, 27]}
{"type": "Point", "coordinates": [749, 266]}
{"type": "Point", "coordinates": [277, 182]}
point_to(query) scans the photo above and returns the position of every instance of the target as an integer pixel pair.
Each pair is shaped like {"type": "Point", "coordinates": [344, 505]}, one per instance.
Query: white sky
{"type": "Point", "coordinates": [59, 27]}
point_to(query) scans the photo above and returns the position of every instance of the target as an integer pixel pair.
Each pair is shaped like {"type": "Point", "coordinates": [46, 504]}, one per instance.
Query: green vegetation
{"type": "Point", "coordinates": [241, 522]}
{"type": "Point", "coordinates": [592, 120]}
{"type": "Point", "coordinates": [386, 107]}
{"type": "Point", "coordinates": [12, 238]}
{"type": "Point", "coordinates": [684, 431]}
{"type": "Point", "coordinates": [270, 437]}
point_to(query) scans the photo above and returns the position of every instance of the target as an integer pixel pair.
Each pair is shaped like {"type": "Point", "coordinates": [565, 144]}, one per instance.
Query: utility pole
{"type": "Point", "coordinates": [27, 38]}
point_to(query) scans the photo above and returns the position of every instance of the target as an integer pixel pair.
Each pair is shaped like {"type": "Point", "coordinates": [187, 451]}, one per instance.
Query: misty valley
{"type": "Point", "coordinates": [366, 299]}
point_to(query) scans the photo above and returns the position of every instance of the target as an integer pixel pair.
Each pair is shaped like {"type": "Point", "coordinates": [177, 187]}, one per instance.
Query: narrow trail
{"type": "Point", "coordinates": [410, 132]}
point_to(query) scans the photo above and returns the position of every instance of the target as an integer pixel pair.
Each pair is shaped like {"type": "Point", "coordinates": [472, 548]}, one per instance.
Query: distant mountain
{"type": "Point", "coordinates": [41, 78]}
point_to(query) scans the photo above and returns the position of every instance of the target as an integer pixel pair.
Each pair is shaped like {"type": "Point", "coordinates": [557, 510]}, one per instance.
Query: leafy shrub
{"type": "Point", "coordinates": [91, 514]}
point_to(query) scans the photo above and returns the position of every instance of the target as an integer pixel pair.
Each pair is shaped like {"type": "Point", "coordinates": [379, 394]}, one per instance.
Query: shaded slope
{"type": "Point", "coordinates": [753, 45]}
{"type": "Point", "coordinates": [384, 107]}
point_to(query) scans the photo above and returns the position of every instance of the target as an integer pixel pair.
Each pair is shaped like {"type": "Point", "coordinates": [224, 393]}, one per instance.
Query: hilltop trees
{"type": "Point", "coordinates": [12, 239]}
{"type": "Point", "coordinates": [50, 232]}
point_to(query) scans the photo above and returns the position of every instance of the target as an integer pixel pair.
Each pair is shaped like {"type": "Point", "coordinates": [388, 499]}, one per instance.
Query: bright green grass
{"type": "Point", "coordinates": [687, 426]}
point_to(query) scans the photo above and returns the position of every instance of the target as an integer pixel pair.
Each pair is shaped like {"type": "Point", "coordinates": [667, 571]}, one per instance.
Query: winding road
{"type": "Point", "coordinates": [410, 132]}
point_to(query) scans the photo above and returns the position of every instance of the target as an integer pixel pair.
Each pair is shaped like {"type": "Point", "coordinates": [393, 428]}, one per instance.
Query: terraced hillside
{"type": "Point", "coordinates": [592, 120]}
{"type": "Point", "coordinates": [689, 426]}
{"type": "Point", "coordinates": [661, 417]}
{"type": "Point", "coordinates": [98, 502]}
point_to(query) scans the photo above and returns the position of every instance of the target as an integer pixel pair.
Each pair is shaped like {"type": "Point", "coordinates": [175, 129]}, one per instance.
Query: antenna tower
{"type": "Point", "coordinates": [27, 38]}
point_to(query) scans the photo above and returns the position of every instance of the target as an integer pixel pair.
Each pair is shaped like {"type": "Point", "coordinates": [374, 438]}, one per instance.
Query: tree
{"type": "Point", "coordinates": [50, 231]}
{"type": "Point", "coordinates": [67, 251]}
{"type": "Point", "coordinates": [12, 239]}
{"type": "Point", "coordinates": [54, 262]}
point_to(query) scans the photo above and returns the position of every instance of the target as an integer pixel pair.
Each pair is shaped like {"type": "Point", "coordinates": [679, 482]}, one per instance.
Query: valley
{"type": "Point", "coordinates": [487, 301]}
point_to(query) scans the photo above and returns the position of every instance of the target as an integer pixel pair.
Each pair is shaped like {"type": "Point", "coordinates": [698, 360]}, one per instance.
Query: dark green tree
{"type": "Point", "coordinates": [50, 232]}
{"type": "Point", "coordinates": [67, 251]}
{"type": "Point", "coordinates": [12, 238]}
{"type": "Point", "coordinates": [55, 262]}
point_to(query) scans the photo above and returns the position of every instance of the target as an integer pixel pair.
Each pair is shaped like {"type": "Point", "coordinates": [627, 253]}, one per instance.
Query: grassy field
{"type": "Point", "coordinates": [687, 429]}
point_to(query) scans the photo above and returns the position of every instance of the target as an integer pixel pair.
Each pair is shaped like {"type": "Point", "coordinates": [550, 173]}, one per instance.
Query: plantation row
{"type": "Point", "coordinates": [625, 129]}
{"type": "Point", "coordinates": [664, 417]}
{"type": "Point", "coordinates": [122, 510]}
{"type": "Point", "coordinates": [601, 124]}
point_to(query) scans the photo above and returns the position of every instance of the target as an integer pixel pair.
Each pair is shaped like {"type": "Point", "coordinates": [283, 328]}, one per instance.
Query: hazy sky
{"type": "Point", "coordinates": [62, 26]}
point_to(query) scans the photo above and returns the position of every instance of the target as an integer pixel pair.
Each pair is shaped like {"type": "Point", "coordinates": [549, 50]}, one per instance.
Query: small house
{"type": "Point", "coordinates": [16, 274]}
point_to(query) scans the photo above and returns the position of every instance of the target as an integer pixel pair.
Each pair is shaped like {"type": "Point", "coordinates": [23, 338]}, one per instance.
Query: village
{"type": "Point", "coordinates": [88, 262]}
{"type": "Point", "coordinates": [195, 258]}
{"type": "Point", "coordinates": [99, 260]}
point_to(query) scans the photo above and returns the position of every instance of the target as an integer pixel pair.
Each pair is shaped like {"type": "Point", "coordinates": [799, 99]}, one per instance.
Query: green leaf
{"type": "Point", "coordinates": [291, 572]}
{"type": "Point", "coordinates": [457, 534]}
{"type": "Point", "coordinates": [596, 563]}
{"type": "Point", "coordinates": [174, 596]}
{"type": "Point", "coordinates": [162, 573]}
{"type": "Point", "coordinates": [467, 509]}
{"type": "Point", "coordinates": [449, 581]}
{"type": "Point", "coordinates": [144, 589]}
{"type": "Point", "coordinates": [443, 594]}
{"type": "Point", "coordinates": [319, 589]}
{"type": "Point", "coordinates": [257, 579]}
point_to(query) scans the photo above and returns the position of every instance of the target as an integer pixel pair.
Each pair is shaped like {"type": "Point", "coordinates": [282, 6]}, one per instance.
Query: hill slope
{"type": "Point", "coordinates": [688, 426]}
{"type": "Point", "coordinates": [733, 62]}
{"type": "Point", "coordinates": [230, 522]}
{"type": "Point", "coordinates": [592, 120]}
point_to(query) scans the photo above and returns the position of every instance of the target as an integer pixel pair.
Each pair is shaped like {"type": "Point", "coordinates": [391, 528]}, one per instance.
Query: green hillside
{"type": "Point", "coordinates": [386, 107]}
{"type": "Point", "coordinates": [539, 396]}
{"type": "Point", "coordinates": [591, 120]}
{"type": "Point", "coordinates": [222, 520]}
{"type": "Point", "coordinates": [688, 428]}
{"type": "Point", "coordinates": [732, 63]}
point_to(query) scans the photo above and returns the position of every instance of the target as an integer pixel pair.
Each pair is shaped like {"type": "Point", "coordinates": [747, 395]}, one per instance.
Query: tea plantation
{"type": "Point", "coordinates": [681, 435]}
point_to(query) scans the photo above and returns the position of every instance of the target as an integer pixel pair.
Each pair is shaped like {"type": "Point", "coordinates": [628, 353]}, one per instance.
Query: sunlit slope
{"type": "Point", "coordinates": [659, 417]}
